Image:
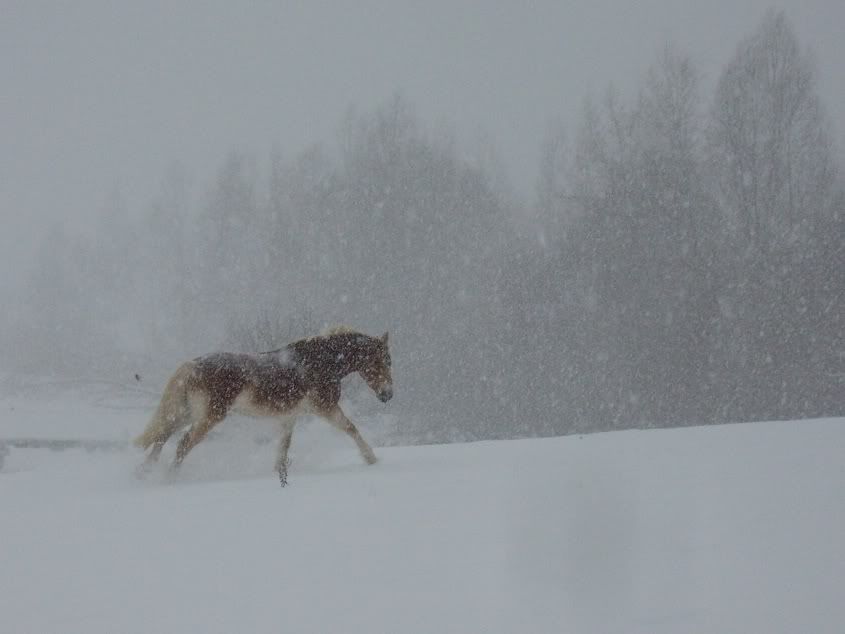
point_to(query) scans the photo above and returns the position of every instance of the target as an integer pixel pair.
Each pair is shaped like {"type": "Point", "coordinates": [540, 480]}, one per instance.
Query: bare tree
{"type": "Point", "coordinates": [771, 157]}
{"type": "Point", "coordinates": [770, 138]}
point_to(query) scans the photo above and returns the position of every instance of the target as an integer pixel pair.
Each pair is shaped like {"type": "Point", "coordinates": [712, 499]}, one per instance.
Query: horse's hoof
{"type": "Point", "coordinates": [143, 470]}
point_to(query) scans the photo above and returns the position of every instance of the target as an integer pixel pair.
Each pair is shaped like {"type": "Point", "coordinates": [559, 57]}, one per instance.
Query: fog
{"type": "Point", "coordinates": [100, 97]}
{"type": "Point", "coordinates": [176, 179]}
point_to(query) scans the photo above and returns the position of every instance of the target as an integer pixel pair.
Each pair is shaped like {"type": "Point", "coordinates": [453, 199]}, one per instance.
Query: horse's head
{"type": "Point", "coordinates": [376, 369]}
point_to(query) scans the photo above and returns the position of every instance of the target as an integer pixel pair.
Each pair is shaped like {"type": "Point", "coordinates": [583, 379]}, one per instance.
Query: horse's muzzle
{"type": "Point", "coordinates": [385, 394]}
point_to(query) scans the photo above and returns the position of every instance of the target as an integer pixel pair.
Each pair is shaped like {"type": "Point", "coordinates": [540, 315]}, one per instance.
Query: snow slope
{"type": "Point", "coordinates": [720, 529]}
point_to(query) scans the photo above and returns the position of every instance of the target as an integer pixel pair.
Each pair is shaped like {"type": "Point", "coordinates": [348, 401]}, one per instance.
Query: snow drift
{"type": "Point", "coordinates": [719, 529]}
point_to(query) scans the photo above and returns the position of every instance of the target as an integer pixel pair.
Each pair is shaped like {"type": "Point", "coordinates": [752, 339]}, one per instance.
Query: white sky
{"type": "Point", "coordinates": [104, 96]}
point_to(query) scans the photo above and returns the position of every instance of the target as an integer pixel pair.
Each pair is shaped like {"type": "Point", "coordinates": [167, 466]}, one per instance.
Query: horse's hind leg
{"type": "Point", "coordinates": [158, 444]}
{"type": "Point", "coordinates": [155, 452]}
{"type": "Point", "coordinates": [338, 419]}
{"type": "Point", "coordinates": [194, 435]}
{"type": "Point", "coordinates": [143, 469]}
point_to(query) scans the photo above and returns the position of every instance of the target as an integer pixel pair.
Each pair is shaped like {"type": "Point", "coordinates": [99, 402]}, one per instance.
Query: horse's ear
{"type": "Point", "coordinates": [384, 338]}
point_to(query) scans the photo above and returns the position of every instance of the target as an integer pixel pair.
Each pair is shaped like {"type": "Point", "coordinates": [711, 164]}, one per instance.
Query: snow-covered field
{"type": "Point", "coordinates": [721, 529]}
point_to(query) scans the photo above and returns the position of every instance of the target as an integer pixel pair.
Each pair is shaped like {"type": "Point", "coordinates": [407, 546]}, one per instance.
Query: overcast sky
{"type": "Point", "coordinates": [98, 97]}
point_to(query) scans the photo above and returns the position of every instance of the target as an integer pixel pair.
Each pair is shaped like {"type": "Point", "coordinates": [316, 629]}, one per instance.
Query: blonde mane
{"type": "Point", "coordinates": [339, 329]}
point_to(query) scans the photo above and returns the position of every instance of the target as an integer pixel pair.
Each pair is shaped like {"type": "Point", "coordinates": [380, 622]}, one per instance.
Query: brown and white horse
{"type": "Point", "coordinates": [301, 378]}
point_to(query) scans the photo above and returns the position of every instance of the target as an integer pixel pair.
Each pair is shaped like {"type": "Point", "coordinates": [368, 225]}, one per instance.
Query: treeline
{"type": "Point", "coordinates": [682, 263]}
{"type": "Point", "coordinates": [698, 267]}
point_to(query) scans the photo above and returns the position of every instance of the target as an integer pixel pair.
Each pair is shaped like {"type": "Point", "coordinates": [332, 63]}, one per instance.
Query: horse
{"type": "Point", "coordinates": [301, 378]}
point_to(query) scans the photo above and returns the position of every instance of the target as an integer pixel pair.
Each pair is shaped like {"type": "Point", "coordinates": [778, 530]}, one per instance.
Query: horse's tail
{"type": "Point", "coordinates": [173, 411]}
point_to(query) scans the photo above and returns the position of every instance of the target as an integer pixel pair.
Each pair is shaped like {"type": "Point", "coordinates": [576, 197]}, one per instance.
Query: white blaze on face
{"type": "Point", "coordinates": [385, 387]}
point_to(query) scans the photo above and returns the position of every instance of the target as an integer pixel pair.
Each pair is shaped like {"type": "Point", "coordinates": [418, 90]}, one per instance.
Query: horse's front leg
{"type": "Point", "coordinates": [284, 446]}
{"type": "Point", "coordinates": [338, 419]}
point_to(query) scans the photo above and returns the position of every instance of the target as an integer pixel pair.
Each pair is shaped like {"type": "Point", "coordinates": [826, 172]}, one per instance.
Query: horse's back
{"type": "Point", "coordinates": [265, 383]}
